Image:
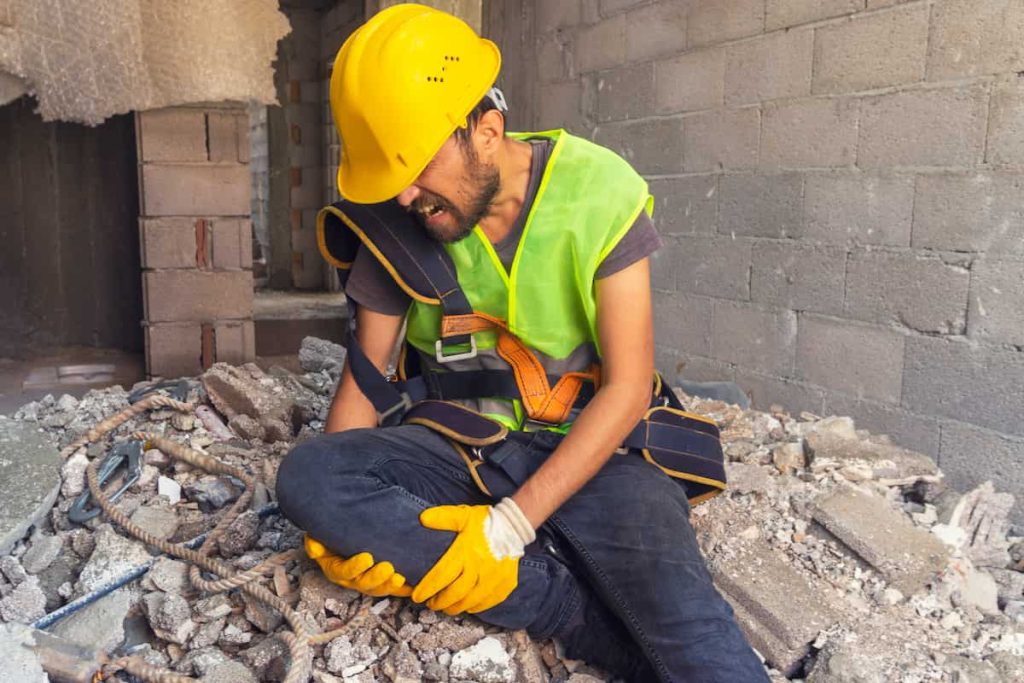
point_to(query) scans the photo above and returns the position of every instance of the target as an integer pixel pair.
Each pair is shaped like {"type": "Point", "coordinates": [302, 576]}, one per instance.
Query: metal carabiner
{"type": "Point", "coordinates": [126, 455]}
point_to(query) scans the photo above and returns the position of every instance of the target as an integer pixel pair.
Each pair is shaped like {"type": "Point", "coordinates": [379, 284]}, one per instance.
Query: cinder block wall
{"type": "Point", "coordinates": [840, 185]}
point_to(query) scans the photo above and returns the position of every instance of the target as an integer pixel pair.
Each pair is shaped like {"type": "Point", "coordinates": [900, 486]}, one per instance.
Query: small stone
{"type": "Point", "coordinates": [170, 576]}
{"type": "Point", "coordinates": [147, 478]}
{"type": "Point", "coordinates": [201, 661]}
{"type": "Point", "coordinates": [746, 478]}
{"type": "Point", "coordinates": [213, 607]}
{"type": "Point", "coordinates": [266, 658]}
{"type": "Point", "coordinates": [170, 617]}
{"type": "Point", "coordinates": [402, 666]}
{"type": "Point", "coordinates": [72, 474]}
{"type": "Point", "coordinates": [113, 555]}
{"type": "Point", "coordinates": [212, 493]}
{"type": "Point", "coordinates": [234, 635]}
{"type": "Point", "coordinates": [789, 457]}
{"type": "Point", "coordinates": [890, 596]}
{"type": "Point", "coordinates": [980, 590]}
{"type": "Point", "coordinates": [952, 621]}
{"type": "Point", "coordinates": [156, 458]}
{"type": "Point", "coordinates": [169, 488]}
{"type": "Point", "coordinates": [1014, 610]}
{"type": "Point", "coordinates": [12, 569]}
{"type": "Point", "coordinates": [159, 520]}
{"type": "Point", "coordinates": [229, 672]}
{"type": "Point", "coordinates": [241, 534]}
{"type": "Point", "coordinates": [183, 422]}
{"type": "Point", "coordinates": [261, 616]}
{"type": "Point", "coordinates": [208, 634]}
{"type": "Point", "coordinates": [321, 355]}
{"type": "Point", "coordinates": [447, 634]}
{"type": "Point", "coordinates": [25, 604]}
{"type": "Point", "coordinates": [751, 533]}
{"type": "Point", "coordinates": [486, 662]}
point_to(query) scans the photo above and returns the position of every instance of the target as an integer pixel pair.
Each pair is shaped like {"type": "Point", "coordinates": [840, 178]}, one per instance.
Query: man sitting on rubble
{"type": "Point", "coordinates": [538, 527]}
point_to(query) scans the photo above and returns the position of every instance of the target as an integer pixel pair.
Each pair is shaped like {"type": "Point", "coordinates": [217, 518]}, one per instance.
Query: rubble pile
{"type": "Point", "coordinates": [845, 557]}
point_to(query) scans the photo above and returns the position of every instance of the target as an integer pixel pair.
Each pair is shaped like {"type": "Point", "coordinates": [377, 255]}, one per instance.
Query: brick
{"type": "Point", "coordinates": [760, 205]}
{"type": "Point", "coordinates": [625, 93]}
{"type": "Point", "coordinates": [969, 456]}
{"type": "Point", "coordinates": [975, 37]}
{"type": "Point", "coordinates": [797, 276]}
{"type": "Point", "coordinates": [602, 45]}
{"type": "Point", "coordinates": [806, 133]}
{"type": "Point", "coordinates": [916, 432]}
{"type": "Point", "coordinates": [235, 342]}
{"type": "Point", "coordinates": [653, 146]}
{"type": "Point", "coordinates": [965, 381]}
{"type": "Point", "coordinates": [899, 288]}
{"type": "Point", "coordinates": [232, 244]}
{"type": "Point", "coordinates": [690, 82]}
{"type": "Point", "coordinates": [1006, 124]}
{"type": "Point", "coordinates": [172, 135]}
{"type": "Point", "coordinates": [685, 205]}
{"type": "Point", "coordinates": [894, 461]}
{"type": "Point", "coordinates": [856, 208]}
{"type": "Point", "coordinates": [793, 395]}
{"type": "Point", "coordinates": [855, 359]}
{"type": "Point", "coordinates": [717, 266]}
{"type": "Point", "coordinates": [173, 350]}
{"type": "Point", "coordinates": [873, 51]}
{"type": "Point", "coordinates": [787, 13]}
{"type": "Point", "coordinates": [997, 301]}
{"type": "Point", "coordinates": [755, 338]}
{"type": "Point", "coordinates": [908, 557]}
{"type": "Point", "coordinates": [223, 132]}
{"type": "Point", "coordinates": [682, 322]}
{"type": "Point", "coordinates": [722, 139]}
{"type": "Point", "coordinates": [944, 127]}
{"type": "Point", "coordinates": [178, 295]}
{"type": "Point", "coordinates": [168, 243]}
{"type": "Point", "coordinates": [770, 67]}
{"type": "Point", "coordinates": [715, 21]}
{"type": "Point", "coordinates": [657, 29]}
{"type": "Point", "coordinates": [780, 611]}
{"type": "Point", "coordinates": [208, 190]}
{"type": "Point", "coordinates": [970, 212]}
{"type": "Point", "coordinates": [561, 106]}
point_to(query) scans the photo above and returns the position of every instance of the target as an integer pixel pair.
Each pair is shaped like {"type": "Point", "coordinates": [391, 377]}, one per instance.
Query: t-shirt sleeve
{"type": "Point", "coordinates": [371, 285]}
{"type": "Point", "coordinates": [641, 241]}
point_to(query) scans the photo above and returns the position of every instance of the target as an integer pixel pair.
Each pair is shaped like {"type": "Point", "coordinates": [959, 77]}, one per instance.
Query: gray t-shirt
{"type": "Point", "coordinates": [369, 283]}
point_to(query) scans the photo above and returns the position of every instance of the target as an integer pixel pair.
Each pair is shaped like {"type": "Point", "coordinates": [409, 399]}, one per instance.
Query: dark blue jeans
{"type": "Point", "coordinates": [625, 538]}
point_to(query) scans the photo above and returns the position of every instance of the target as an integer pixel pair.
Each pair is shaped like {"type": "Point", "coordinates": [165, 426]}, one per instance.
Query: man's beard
{"type": "Point", "coordinates": [487, 183]}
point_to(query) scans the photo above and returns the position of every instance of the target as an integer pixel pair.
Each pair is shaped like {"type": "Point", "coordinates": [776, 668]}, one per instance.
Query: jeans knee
{"type": "Point", "coordinates": [297, 478]}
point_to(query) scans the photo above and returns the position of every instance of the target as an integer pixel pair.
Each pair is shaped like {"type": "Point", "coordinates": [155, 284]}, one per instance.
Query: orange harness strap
{"type": "Point", "coordinates": [541, 401]}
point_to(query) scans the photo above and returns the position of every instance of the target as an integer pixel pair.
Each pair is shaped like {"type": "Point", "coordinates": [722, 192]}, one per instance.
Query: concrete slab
{"type": "Point", "coordinates": [834, 447]}
{"type": "Point", "coordinates": [29, 479]}
{"type": "Point", "coordinates": [99, 626]}
{"type": "Point", "coordinates": [908, 557]}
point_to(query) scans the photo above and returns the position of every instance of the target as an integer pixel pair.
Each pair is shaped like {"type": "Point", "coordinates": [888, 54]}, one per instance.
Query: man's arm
{"type": "Point", "coordinates": [625, 330]}
{"type": "Point", "coordinates": [377, 334]}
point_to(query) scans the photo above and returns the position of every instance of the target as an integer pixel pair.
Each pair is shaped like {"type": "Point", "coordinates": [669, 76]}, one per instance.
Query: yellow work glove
{"type": "Point", "coordinates": [481, 566]}
{"type": "Point", "coordinates": [358, 573]}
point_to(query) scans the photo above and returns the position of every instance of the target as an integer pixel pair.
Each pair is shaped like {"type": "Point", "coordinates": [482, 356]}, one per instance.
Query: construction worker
{"type": "Point", "coordinates": [548, 528]}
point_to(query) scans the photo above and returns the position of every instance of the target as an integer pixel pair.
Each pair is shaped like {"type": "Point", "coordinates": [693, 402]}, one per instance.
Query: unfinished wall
{"type": "Point", "coordinates": [840, 187]}
{"type": "Point", "coordinates": [69, 260]}
{"type": "Point", "coordinates": [196, 237]}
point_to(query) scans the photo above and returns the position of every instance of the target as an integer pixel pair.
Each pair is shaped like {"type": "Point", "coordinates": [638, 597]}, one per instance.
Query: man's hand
{"type": "Point", "coordinates": [481, 566]}
{"type": "Point", "coordinates": [358, 573]}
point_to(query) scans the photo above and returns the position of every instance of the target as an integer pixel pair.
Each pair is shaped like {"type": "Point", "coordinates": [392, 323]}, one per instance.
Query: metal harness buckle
{"type": "Point", "coordinates": [126, 455]}
{"type": "Point", "coordinates": [441, 358]}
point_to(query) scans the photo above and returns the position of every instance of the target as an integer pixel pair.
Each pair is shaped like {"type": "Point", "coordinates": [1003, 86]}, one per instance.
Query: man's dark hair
{"type": "Point", "coordinates": [462, 135]}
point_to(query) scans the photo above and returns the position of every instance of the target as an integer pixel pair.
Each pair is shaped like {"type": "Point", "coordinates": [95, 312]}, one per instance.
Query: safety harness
{"type": "Point", "coordinates": [684, 445]}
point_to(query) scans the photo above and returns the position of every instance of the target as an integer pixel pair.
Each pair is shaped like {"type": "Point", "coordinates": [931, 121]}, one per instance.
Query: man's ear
{"type": "Point", "coordinates": [489, 132]}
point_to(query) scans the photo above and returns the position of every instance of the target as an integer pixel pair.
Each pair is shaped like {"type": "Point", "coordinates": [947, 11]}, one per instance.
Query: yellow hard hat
{"type": "Point", "coordinates": [402, 83]}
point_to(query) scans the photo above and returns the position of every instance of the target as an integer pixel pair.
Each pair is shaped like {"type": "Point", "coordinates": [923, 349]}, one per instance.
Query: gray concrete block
{"type": "Point", "coordinates": [657, 29]}
{"type": "Point", "coordinates": [997, 301]}
{"type": "Point", "coordinates": [786, 13]}
{"type": "Point", "coordinates": [685, 205]}
{"type": "Point", "coordinates": [916, 432]}
{"type": "Point", "coordinates": [665, 265]}
{"type": "Point", "coordinates": [554, 57]}
{"type": "Point", "coordinates": [970, 212]}
{"type": "Point", "coordinates": [625, 93]}
{"type": "Point", "coordinates": [793, 395]}
{"type": "Point", "coordinates": [761, 205]}
{"type": "Point", "coordinates": [690, 82]}
{"type": "Point", "coordinates": [714, 265]}
{"type": "Point", "coordinates": [798, 276]}
{"type": "Point", "coordinates": [756, 338]}
{"type": "Point", "coordinates": [769, 67]}
{"type": "Point", "coordinates": [872, 51]}
{"type": "Point", "coordinates": [560, 105]}
{"type": "Point", "coordinates": [722, 139]}
{"type": "Point", "coordinates": [908, 557]}
{"type": "Point", "coordinates": [810, 132]}
{"type": "Point", "coordinates": [715, 21]}
{"type": "Point", "coordinates": [653, 146]}
{"type": "Point", "coordinates": [602, 45]}
{"type": "Point", "coordinates": [970, 455]}
{"type": "Point", "coordinates": [943, 127]}
{"type": "Point", "coordinates": [974, 37]}
{"type": "Point", "coordinates": [674, 363]}
{"type": "Point", "coordinates": [858, 360]}
{"type": "Point", "coordinates": [780, 611]}
{"type": "Point", "coordinates": [856, 208]}
{"type": "Point", "coordinates": [965, 381]}
{"type": "Point", "coordinates": [1006, 124]}
{"type": "Point", "coordinates": [900, 288]}
{"type": "Point", "coordinates": [30, 481]}
{"type": "Point", "coordinates": [682, 322]}
{"type": "Point", "coordinates": [552, 15]}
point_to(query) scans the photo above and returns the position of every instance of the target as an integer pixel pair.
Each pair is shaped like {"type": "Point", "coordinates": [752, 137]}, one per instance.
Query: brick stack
{"type": "Point", "coordinates": [195, 237]}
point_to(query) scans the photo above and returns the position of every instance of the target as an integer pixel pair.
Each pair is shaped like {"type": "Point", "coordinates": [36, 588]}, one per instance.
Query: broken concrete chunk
{"type": "Point", "coordinates": [25, 604]}
{"type": "Point", "coordinates": [249, 391]}
{"type": "Point", "coordinates": [402, 665]}
{"type": "Point", "coordinates": [908, 557]}
{"type": "Point", "coordinates": [29, 479]}
{"type": "Point", "coordinates": [98, 626]}
{"type": "Point", "coordinates": [241, 534]}
{"type": "Point", "coordinates": [984, 516]}
{"type": "Point", "coordinates": [159, 520]}
{"type": "Point", "coordinates": [447, 634]}
{"type": "Point", "coordinates": [846, 662]}
{"type": "Point", "coordinates": [113, 555]}
{"type": "Point", "coordinates": [789, 457]}
{"type": "Point", "coordinates": [746, 478]}
{"type": "Point", "coordinates": [170, 617]}
{"type": "Point", "coordinates": [487, 662]}
{"type": "Point", "coordinates": [891, 462]}
{"type": "Point", "coordinates": [170, 576]}
{"type": "Point", "coordinates": [212, 493]}
{"type": "Point", "coordinates": [20, 662]}
{"type": "Point", "coordinates": [321, 355]}
{"type": "Point", "coordinates": [72, 474]}
{"type": "Point", "coordinates": [229, 672]}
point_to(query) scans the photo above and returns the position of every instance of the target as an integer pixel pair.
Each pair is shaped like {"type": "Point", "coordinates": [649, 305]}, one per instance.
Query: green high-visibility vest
{"type": "Point", "coordinates": [588, 198]}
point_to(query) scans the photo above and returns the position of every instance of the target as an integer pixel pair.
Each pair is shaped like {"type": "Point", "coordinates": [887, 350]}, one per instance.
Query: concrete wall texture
{"type": "Point", "coordinates": [840, 185]}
